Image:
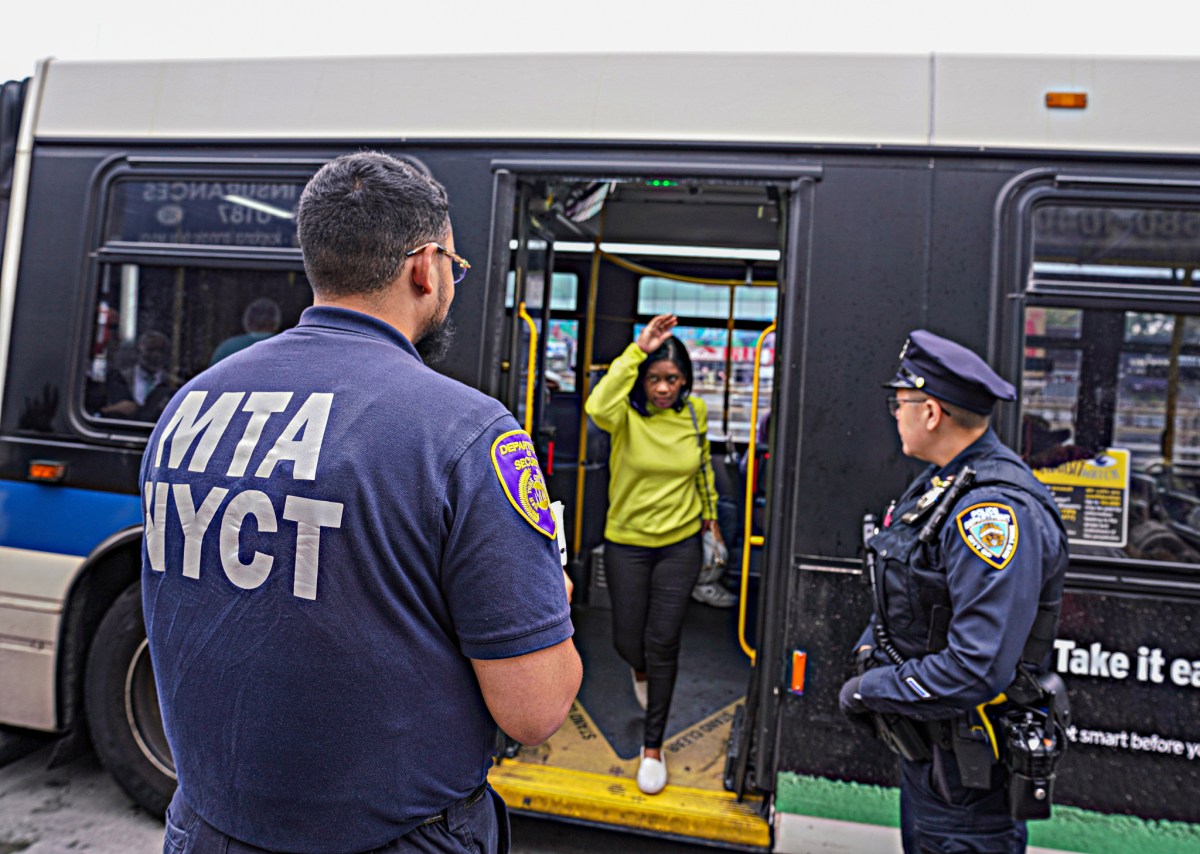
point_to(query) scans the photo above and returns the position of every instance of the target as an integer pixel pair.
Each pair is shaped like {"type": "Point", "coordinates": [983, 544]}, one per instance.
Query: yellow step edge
{"type": "Point", "coordinates": [606, 799]}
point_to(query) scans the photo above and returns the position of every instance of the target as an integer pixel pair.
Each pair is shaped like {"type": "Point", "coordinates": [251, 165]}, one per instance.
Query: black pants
{"type": "Point", "coordinates": [480, 827]}
{"type": "Point", "coordinates": [650, 589]}
{"type": "Point", "coordinates": [971, 820]}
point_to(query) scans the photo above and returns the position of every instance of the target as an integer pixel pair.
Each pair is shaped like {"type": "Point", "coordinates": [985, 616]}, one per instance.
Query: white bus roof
{"type": "Point", "coordinates": [1133, 104]}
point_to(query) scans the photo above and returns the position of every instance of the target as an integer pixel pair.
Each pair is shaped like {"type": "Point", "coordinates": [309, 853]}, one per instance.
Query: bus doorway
{"type": "Point", "coordinates": [588, 262]}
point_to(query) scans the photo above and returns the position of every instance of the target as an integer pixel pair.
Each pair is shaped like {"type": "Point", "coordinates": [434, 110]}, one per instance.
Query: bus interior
{"type": "Point", "coordinates": [616, 252]}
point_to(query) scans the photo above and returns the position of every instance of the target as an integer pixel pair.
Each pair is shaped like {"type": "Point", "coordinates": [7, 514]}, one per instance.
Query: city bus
{"type": "Point", "coordinates": [800, 214]}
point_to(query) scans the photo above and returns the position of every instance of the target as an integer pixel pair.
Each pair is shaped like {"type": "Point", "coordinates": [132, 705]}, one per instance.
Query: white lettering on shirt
{"type": "Point", "coordinates": [261, 405]}
{"type": "Point", "coordinates": [156, 525]}
{"type": "Point", "coordinates": [250, 503]}
{"type": "Point", "coordinates": [187, 423]}
{"type": "Point", "coordinates": [195, 523]}
{"type": "Point", "coordinates": [310, 517]}
{"type": "Point", "coordinates": [311, 419]}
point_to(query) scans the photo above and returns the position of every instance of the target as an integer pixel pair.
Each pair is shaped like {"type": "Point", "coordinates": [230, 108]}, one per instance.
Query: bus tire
{"type": "Point", "coordinates": [122, 706]}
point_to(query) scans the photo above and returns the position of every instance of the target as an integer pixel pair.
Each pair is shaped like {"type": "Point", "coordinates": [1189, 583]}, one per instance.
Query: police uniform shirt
{"type": "Point", "coordinates": [332, 531]}
{"type": "Point", "coordinates": [1000, 552]}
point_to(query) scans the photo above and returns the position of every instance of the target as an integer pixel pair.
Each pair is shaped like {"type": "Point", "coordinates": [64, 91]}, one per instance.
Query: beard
{"type": "Point", "coordinates": [436, 338]}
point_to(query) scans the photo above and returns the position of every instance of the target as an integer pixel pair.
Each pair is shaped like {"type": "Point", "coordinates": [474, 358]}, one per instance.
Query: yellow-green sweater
{"type": "Point", "coordinates": [654, 494]}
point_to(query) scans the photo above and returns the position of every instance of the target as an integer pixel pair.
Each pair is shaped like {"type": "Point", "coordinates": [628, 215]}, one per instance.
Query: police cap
{"type": "Point", "coordinates": [949, 372]}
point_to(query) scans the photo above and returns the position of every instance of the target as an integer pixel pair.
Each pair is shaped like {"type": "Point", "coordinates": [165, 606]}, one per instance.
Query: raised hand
{"type": "Point", "coordinates": [656, 332]}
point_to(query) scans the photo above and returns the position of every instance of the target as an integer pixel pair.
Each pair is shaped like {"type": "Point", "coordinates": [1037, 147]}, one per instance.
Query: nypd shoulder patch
{"type": "Point", "coordinates": [990, 531]}
{"type": "Point", "coordinates": [516, 464]}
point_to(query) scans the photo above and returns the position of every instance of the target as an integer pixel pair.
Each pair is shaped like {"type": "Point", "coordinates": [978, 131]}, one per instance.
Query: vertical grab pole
{"type": "Point", "coordinates": [583, 373]}
{"type": "Point", "coordinates": [729, 324]}
{"type": "Point", "coordinates": [751, 477]}
{"type": "Point", "coordinates": [531, 371]}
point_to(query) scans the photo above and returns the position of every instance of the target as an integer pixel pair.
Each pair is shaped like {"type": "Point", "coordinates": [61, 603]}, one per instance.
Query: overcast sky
{"type": "Point", "coordinates": [139, 29]}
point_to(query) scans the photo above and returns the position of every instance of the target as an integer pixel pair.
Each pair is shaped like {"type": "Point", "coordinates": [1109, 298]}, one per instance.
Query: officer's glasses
{"type": "Point", "coordinates": [458, 264]}
{"type": "Point", "coordinates": [894, 403]}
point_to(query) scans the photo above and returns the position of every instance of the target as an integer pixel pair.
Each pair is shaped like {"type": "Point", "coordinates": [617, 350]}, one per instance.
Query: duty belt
{"type": "Point", "coordinates": [471, 800]}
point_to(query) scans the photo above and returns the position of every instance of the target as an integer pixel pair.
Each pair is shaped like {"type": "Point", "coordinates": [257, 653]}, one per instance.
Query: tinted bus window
{"type": "Point", "coordinates": [205, 212]}
{"type": "Point", "coordinates": [1110, 399]}
{"type": "Point", "coordinates": [157, 326]}
{"type": "Point", "coordinates": [659, 296]}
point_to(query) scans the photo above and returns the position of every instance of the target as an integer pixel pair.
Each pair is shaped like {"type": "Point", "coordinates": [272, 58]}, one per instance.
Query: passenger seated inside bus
{"type": "Point", "coordinates": [138, 384]}
{"type": "Point", "coordinates": [261, 320]}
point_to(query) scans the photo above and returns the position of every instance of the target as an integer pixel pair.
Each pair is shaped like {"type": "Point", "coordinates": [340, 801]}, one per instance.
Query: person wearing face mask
{"type": "Point", "coordinates": [661, 497]}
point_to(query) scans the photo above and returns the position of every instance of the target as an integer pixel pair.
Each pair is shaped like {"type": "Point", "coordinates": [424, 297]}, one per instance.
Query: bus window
{"type": "Point", "coordinates": [155, 327]}
{"type": "Point", "coordinates": [563, 343]}
{"type": "Point", "coordinates": [192, 269]}
{"type": "Point", "coordinates": [207, 212]}
{"type": "Point", "coordinates": [561, 354]}
{"type": "Point", "coordinates": [715, 349]}
{"type": "Point", "coordinates": [1110, 400]}
{"type": "Point", "coordinates": [686, 299]}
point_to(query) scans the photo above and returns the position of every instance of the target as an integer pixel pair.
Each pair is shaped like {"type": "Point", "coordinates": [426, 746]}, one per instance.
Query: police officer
{"type": "Point", "coordinates": [350, 569]}
{"type": "Point", "coordinates": [963, 573]}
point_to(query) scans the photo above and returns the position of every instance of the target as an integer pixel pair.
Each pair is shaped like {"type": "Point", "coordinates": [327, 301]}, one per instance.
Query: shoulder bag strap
{"type": "Point", "coordinates": [700, 473]}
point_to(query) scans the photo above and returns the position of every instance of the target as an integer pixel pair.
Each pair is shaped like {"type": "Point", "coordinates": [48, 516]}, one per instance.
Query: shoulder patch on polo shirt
{"type": "Point", "coordinates": [516, 464]}
{"type": "Point", "coordinates": [990, 531]}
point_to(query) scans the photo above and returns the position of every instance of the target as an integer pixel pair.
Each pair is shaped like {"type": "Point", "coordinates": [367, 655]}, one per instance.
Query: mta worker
{"type": "Point", "coordinates": [350, 568]}
{"type": "Point", "coordinates": [959, 606]}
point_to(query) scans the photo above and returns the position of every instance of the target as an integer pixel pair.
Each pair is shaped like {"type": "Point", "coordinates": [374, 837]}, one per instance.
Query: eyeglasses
{"type": "Point", "coordinates": [458, 264]}
{"type": "Point", "coordinates": [893, 403]}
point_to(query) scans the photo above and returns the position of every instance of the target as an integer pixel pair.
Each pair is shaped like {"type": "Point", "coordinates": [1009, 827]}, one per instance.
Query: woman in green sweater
{"type": "Point", "coordinates": [660, 497]}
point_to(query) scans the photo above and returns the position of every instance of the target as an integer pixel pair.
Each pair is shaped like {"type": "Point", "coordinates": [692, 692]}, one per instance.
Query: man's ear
{"type": "Point", "coordinates": [935, 414]}
{"type": "Point", "coordinates": [421, 270]}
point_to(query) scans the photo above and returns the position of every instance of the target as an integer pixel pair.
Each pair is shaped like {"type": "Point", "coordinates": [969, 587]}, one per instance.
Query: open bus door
{"type": "Point", "coordinates": [752, 761]}
{"type": "Point", "coordinates": [720, 772]}
{"type": "Point", "coordinates": [527, 301]}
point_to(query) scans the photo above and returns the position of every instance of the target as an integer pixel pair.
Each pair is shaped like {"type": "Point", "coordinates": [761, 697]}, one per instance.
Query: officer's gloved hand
{"type": "Point", "coordinates": [864, 659]}
{"type": "Point", "coordinates": [852, 706]}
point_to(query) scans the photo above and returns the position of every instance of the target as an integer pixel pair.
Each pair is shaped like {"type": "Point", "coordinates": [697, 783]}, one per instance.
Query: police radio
{"type": "Point", "coordinates": [1035, 738]}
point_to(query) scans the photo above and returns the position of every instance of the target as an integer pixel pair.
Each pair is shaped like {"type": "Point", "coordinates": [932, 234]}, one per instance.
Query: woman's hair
{"type": "Point", "coordinates": [674, 351]}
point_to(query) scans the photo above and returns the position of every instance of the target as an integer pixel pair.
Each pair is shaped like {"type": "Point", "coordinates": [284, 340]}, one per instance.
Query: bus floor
{"type": "Point", "coordinates": [587, 771]}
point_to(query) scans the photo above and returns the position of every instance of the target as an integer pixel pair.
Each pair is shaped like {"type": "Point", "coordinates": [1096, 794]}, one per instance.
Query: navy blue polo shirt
{"type": "Point", "coordinates": [333, 531]}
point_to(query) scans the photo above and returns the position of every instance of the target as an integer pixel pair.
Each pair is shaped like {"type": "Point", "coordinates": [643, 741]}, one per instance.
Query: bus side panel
{"type": "Point", "coordinates": [1132, 666]}
{"type": "Point", "coordinates": [1130, 661]}
{"type": "Point", "coordinates": [867, 290]}
{"type": "Point", "coordinates": [47, 315]}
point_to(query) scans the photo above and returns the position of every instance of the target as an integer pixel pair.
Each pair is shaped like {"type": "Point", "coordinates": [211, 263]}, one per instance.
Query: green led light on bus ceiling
{"type": "Point", "coordinates": [661, 182]}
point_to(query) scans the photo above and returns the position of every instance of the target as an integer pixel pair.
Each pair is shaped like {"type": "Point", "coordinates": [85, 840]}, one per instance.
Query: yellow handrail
{"type": "Point", "coordinates": [662, 274]}
{"type": "Point", "coordinates": [751, 471]}
{"type": "Point", "coordinates": [531, 373]}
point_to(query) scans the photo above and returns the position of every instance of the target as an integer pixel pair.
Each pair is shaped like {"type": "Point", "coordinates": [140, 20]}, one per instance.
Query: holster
{"type": "Point", "coordinates": [974, 754]}
{"type": "Point", "coordinates": [903, 736]}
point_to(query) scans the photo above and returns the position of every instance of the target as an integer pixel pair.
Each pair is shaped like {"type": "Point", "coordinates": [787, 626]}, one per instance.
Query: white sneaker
{"type": "Point", "coordinates": [652, 775]}
{"type": "Point", "coordinates": [714, 595]}
{"type": "Point", "coordinates": [639, 690]}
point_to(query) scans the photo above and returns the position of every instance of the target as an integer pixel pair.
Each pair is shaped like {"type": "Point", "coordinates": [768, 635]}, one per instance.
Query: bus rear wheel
{"type": "Point", "coordinates": [122, 706]}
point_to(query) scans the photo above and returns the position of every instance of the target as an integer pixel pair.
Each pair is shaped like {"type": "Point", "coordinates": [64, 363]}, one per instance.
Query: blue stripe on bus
{"type": "Point", "coordinates": [60, 519]}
